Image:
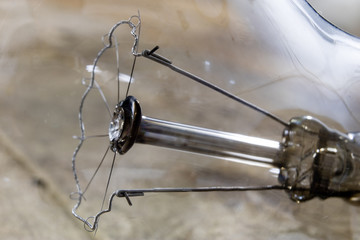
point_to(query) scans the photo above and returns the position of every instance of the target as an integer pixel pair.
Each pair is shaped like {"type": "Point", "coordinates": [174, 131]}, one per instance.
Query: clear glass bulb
{"type": "Point", "coordinates": [278, 55]}
{"type": "Point", "coordinates": [282, 57]}
{"type": "Point", "coordinates": [277, 62]}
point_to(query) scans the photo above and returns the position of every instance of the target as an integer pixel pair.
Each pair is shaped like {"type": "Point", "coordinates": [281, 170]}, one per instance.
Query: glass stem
{"type": "Point", "coordinates": [223, 145]}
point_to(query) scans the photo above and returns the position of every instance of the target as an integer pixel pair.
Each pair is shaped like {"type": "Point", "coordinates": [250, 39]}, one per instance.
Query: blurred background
{"type": "Point", "coordinates": [280, 56]}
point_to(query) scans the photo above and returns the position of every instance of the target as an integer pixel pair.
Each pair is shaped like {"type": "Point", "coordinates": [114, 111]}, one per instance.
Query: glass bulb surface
{"type": "Point", "coordinates": [278, 55]}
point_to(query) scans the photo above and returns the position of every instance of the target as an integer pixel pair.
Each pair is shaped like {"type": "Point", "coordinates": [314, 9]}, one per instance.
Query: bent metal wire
{"type": "Point", "coordinates": [314, 160]}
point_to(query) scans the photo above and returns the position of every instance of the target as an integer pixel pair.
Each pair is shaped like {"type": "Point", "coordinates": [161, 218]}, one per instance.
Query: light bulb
{"type": "Point", "coordinates": [278, 56]}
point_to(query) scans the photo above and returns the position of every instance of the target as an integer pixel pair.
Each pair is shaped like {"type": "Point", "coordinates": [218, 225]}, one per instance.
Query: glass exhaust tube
{"type": "Point", "coordinates": [224, 145]}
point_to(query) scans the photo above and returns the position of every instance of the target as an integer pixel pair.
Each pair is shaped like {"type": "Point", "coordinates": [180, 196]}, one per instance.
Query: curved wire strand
{"type": "Point", "coordinates": [135, 28]}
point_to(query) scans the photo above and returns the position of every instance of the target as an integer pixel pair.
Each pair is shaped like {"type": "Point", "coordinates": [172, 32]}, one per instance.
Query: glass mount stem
{"type": "Point", "coordinates": [223, 145]}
